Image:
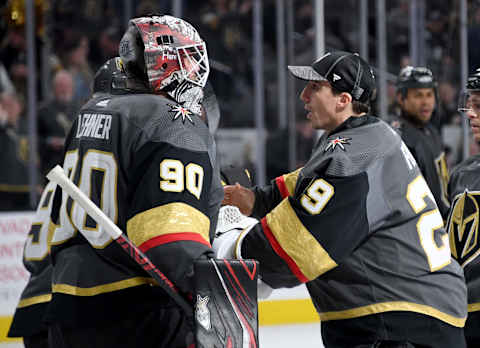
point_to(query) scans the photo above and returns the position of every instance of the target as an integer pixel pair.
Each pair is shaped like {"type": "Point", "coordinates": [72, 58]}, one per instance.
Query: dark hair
{"type": "Point", "coordinates": [357, 107]}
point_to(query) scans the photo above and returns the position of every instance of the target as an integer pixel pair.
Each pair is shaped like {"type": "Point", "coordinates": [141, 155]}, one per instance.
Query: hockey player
{"type": "Point", "coordinates": [463, 221]}
{"type": "Point", "coordinates": [417, 98]}
{"type": "Point", "coordinates": [358, 224]}
{"type": "Point", "coordinates": [28, 319]}
{"type": "Point", "coordinates": [148, 161]}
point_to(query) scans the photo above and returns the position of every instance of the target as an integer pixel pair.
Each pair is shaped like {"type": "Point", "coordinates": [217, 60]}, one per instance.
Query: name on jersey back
{"type": "Point", "coordinates": [94, 126]}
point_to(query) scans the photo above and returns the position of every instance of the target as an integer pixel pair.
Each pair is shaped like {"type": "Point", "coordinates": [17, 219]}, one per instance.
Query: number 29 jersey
{"type": "Point", "coordinates": [150, 165]}
{"type": "Point", "coordinates": [359, 225]}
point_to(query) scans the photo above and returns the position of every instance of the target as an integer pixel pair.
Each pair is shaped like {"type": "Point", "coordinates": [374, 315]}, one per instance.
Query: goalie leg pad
{"type": "Point", "coordinates": [226, 307]}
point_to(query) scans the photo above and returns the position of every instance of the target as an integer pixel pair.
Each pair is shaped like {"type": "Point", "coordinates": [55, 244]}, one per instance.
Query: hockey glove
{"type": "Point", "coordinates": [232, 228]}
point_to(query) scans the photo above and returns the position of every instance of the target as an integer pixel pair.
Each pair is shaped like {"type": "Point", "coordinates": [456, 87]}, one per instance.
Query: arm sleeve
{"type": "Point", "coordinates": [169, 215]}
{"type": "Point", "coordinates": [269, 197]}
{"type": "Point", "coordinates": [312, 232]}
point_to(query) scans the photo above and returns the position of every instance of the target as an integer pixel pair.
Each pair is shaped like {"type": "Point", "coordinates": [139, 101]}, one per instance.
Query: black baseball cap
{"type": "Point", "coordinates": [345, 71]}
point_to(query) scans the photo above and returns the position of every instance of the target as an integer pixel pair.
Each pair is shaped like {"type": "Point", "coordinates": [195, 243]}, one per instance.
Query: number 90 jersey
{"type": "Point", "coordinates": [150, 165]}
{"type": "Point", "coordinates": [359, 225]}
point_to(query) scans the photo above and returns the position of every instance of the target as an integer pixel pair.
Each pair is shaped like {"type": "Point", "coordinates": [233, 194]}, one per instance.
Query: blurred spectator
{"type": "Point", "coordinates": [398, 32]}
{"type": "Point", "coordinates": [474, 39]}
{"type": "Point", "coordinates": [437, 36]}
{"type": "Point", "coordinates": [6, 85]}
{"type": "Point", "coordinates": [55, 118]}
{"type": "Point", "coordinates": [74, 54]}
{"type": "Point", "coordinates": [14, 57]}
{"type": "Point", "coordinates": [105, 47]}
{"type": "Point", "coordinates": [14, 188]}
{"type": "Point", "coordinates": [447, 96]}
{"type": "Point", "coordinates": [277, 148]}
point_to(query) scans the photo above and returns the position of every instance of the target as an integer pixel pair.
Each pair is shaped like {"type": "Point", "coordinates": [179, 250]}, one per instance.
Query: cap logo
{"type": "Point", "coordinates": [336, 77]}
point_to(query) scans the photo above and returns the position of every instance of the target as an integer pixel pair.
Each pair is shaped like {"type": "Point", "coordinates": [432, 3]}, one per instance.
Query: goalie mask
{"type": "Point", "coordinates": [168, 53]}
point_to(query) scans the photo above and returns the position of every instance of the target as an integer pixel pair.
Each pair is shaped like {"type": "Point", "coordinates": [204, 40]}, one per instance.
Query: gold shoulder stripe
{"type": "Point", "coordinates": [291, 180]}
{"type": "Point", "coordinates": [393, 306]}
{"type": "Point", "coordinates": [101, 289]}
{"type": "Point", "coordinates": [294, 238]}
{"type": "Point", "coordinates": [167, 219]}
{"type": "Point", "coordinates": [34, 300]}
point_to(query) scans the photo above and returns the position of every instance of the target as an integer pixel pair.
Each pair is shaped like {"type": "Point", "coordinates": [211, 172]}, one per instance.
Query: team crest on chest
{"type": "Point", "coordinates": [180, 111]}
{"type": "Point", "coordinates": [463, 224]}
{"type": "Point", "coordinates": [337, 142]}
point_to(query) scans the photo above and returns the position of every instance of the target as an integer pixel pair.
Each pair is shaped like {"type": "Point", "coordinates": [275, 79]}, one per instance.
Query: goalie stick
{"type": "Point", "coordinates": [58, 176]}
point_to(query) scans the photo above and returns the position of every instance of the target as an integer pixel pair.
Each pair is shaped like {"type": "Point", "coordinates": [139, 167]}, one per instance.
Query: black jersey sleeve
{"type": "Point", "coordinates": [270, 196]}
{"type": "Point", "coordinates": [311, 232]}
{"type": "Point", "coordinates": [168, 218]}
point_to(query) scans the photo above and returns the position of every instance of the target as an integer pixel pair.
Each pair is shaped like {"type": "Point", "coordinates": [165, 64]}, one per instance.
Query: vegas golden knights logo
{"type": "Point", "coordinates": [463, 227]}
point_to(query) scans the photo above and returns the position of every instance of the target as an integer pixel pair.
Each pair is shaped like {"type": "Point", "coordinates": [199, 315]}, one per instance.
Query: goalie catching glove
{"type": "Point", "coordinates": [232, 228]}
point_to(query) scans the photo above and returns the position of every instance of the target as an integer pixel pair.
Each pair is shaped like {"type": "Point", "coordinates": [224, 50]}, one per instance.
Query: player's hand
{"type": "Point", "coordinates": [239, 196]}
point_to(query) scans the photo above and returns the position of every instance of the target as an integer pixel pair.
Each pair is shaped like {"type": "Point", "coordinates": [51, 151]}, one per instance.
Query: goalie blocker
{"type": "Point", "coordinates": [226, 309]}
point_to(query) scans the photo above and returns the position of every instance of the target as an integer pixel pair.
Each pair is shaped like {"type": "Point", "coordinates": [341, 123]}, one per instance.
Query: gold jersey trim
{"type": "Point", "coordinates": [294, 238]}
{"type": "Point", "coordinates": [290, 180]}
{"type": "Point", "coordinates": [101, 289]}
{"type": "Point", "coordinates": [34, 300]}
{"type": "Point", "coordinates": [14, 188]}
{"type": "Point", "coordinates": [473, 307]}
{"type": "Point", "coordinates": [167, 219]}
{"type": "Point", "coordinates": [393, 306]}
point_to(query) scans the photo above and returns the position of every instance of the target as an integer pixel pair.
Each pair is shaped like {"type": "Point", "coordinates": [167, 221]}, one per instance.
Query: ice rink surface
{"type": "Point", "coordinates": [298, 335]}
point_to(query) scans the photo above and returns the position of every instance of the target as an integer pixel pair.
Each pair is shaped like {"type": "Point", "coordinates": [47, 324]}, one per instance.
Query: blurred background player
{"type": "Point", "coordinates": [148, 161]}
{"type": "Point", "coordinates": [416, 95]}
{"type": "Point", "coordinates": [14, 156]}
{"type": "Point", "coordinates": [358, 224]}
{"type": "Point", "coordinates": [463, 221]}
{"type": "Point", "coordinates": [28, 321]}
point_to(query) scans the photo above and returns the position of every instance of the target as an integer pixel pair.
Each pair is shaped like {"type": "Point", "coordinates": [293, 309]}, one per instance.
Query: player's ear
{"type": "Point", "coordinates": [345, 99]}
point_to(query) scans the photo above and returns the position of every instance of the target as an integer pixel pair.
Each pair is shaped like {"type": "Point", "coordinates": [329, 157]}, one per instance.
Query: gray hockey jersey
{"type": "Point", "coordinates": [462, 224]}
{"type": "Point", "coordinates": [359, 225]}
{"type": "Point", "coordinates": [150, 165]}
